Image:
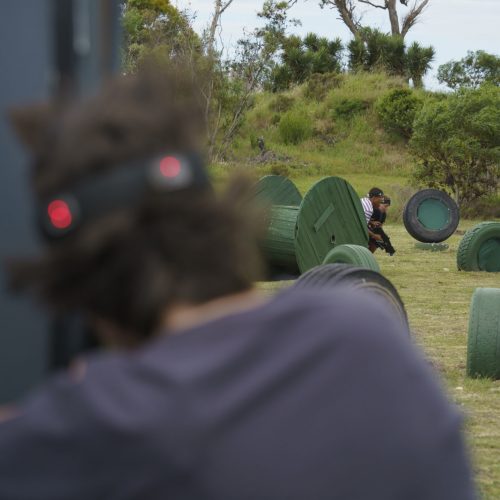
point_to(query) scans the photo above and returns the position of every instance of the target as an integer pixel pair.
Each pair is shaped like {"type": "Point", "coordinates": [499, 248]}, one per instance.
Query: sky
{"type": "Point", "coordinates": [452, 27]}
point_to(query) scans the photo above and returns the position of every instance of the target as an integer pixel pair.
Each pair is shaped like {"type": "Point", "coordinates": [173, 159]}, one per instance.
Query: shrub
{"type": "Point", "coordinates": [294, 127]}
{"type": "Point", "coordinates": [280, 169]}
{"type": "Point", "coordinates": [282, 103]}
{"type": "Point", "coordinates": [457, 143]}
{"type": "Point", "coordinates": [347, 108]}
{"type": "Point", "coordinates": [253, 140]}
{"type": "Point", "coordinates": [275, 119]}
{"type": "Point", "coordinates": [397, 110]}
{"type": "Point", "coordinates": [319, 84]}
{"type": "Point", "coordinates": [483, 208]}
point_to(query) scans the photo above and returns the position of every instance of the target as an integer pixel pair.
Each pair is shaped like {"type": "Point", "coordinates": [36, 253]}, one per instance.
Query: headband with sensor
{"type": "Point", "coordinates": [124, 186]}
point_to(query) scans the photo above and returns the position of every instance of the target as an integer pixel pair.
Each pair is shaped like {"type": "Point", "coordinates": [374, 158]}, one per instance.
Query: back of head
{"type": "Point", "coordinates": [130, 264]}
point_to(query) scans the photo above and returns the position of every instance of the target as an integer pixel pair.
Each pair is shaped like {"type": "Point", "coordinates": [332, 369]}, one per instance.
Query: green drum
{"type": "Point", "coordinates": [329, 215]}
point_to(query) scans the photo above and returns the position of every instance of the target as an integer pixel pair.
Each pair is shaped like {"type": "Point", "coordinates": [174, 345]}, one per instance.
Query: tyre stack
{"type": "Point", "coordinates": [483, 344]}
{"type": "Point", "coordinates": [328, 276]}
{"type": "Point", "coordinates": [479, 249]}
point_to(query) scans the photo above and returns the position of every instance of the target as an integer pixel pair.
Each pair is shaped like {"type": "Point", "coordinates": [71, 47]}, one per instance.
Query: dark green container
{"type": "Point", "coordinates": [279, 245]}
{"type": "Point", "coordinates": [277, 190]}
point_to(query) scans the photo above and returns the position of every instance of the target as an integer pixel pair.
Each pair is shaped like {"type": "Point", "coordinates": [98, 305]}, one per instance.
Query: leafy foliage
{"type": "Point", "coordinates": [347, 108]}
{"type": "Point", "coordinates": [156, 28]}
{"type": "Point", "coordinates": [295, 126]}
{"type": "Point", "coordinates": [282, 103]}
{"type": "Point", "coordinates": [319, 84]}
{"type": "Point", "coordinates": [373, 50]}
{"type": "Point", "coordinates": [301, 58]}
{"type": "Point", "coordinates": [457, 143]}
{"type": "Point", "coordinates": [397, 110]}
{"type": "Point", "coordinates": [471, 71]}
{"type": "Point", "coordinates": [418, 61]}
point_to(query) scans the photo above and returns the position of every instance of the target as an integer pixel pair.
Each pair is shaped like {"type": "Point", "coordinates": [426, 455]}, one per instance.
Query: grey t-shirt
{"type": "Point", "coordinates": [312, 396]}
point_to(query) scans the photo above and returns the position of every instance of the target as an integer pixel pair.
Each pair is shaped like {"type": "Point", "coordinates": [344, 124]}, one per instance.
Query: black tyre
{"type": "Point", "coordinates": [431, 216]}
{"type": "Point", "coordinates": [479, 249]}
{"type": "Point", "coordinates": [483, 351]}
{"type": "Point", "coordinates": [329, 275]}
{"type": "Point", "coordinates": [356, 255]}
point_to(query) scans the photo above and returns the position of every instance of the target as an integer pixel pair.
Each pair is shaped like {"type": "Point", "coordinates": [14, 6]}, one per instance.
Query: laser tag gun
{"type": "Point", "coordinates": [385, 244]}
{"type": "Point", "coordinates": [62, 215]}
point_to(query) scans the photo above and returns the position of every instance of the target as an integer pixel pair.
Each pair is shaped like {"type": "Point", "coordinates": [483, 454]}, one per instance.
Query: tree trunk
{"type": "Point", "coordinates": [346, 9]}
{"type": "Point", "coordinates": [393, 17]}
{"type": "Point", "coordinates": [213, 27]}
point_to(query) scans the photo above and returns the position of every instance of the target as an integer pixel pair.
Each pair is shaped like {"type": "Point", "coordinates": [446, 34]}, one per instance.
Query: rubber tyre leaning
{"type": "Point", "coordinates": [327, 276]}
{"type": "Point", "coordinates": [479, 249]}
{"type": "Point", "coordinates": [355, 255]}
{"type": "Point", "coordinates": [442, 203]}
{"type": "Point", "coordinates": [483, 353]}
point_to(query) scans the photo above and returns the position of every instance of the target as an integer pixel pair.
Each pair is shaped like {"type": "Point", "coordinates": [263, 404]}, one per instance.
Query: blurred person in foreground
{"type": "Point", "coordinates": [206, 390]}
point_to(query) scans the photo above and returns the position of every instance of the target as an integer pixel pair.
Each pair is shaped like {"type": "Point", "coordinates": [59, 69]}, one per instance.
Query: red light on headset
{"type": "Point", "coordinates": [59, 214]}
{"type": "Point", "coordinates": [170, 166]}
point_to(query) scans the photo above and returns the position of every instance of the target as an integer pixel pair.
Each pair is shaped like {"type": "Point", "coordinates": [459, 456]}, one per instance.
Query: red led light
{"type": "Point", "coordinates": [59, 214]}
{"type": "Point", "coordinates": [170, 166]}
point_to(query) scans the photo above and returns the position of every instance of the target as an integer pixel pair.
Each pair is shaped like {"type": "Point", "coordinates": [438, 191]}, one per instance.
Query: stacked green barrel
{"type": "Point", "coordinates": [483, 345]}
{"type": "Point", "coordinates": [302, 231]}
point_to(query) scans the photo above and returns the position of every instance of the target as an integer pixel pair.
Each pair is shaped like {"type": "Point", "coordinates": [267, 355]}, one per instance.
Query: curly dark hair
{"type": "Point", "coordinates": [131, 264]}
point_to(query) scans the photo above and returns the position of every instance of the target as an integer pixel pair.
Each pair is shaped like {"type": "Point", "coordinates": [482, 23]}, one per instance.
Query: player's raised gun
{"type": "Point", "coordinates": [385, 243]}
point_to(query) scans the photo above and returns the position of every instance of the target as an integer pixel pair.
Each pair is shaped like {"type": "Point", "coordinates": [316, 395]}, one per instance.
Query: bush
{"type": "Point", "coordinates": [347, 108]}
{"type": "Point", "coordinates": [457, 144]}
{"type": "Point", "coordinates": [319, 84]}
{"type": "Point", "coordinates": [294, 127]}
{"type": "Point", "coordinates": [397, 110]}
{"type": "Point", "coordinates": [253, 140]}
{"type": "Point", "coordinates": [275, 119]}
{"type": "Point", "coordinates": [280, 169]}
{"type": "Point", "coordinates": [486, 208]}
{"type": "Point", "coordinates": [282, 103]}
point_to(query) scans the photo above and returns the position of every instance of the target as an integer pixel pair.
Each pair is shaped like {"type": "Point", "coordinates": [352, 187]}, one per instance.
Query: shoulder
{"type": "Point", "coordinates": [341, 312]}
{"type": "Point", "coordinates": [367, 204]}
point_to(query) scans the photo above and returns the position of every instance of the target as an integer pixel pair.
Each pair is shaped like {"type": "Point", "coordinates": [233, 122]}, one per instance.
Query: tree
{"type": "Point", "coordinates": [397, 110]}
{"type": "Point", "coordinates": [418, 61]}
{"type": "Point", "coordinates": [250, 67]}
{"type": "Point", "coordinates": [471, 71]}
{"type": "Point", "coordinates": [301, 58]}
{"type": "Point", "coordinates": [219, 8]}
{"type": "Point", "coordinates": [349, 14]}
{"type": "Point", "coordinates": [155, 27]}
{"type": "Point", "coordinates": [373, 50]}
{"type": "Point", "coordinates": [456, 141]}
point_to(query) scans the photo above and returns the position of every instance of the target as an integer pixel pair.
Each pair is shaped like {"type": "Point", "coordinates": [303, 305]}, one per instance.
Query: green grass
{"type": "Point", "coordinates": [346, 135]}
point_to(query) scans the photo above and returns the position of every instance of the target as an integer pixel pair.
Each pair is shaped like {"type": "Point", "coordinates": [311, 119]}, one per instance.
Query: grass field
{"type": "Point", "coordinates": [437, 298]}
